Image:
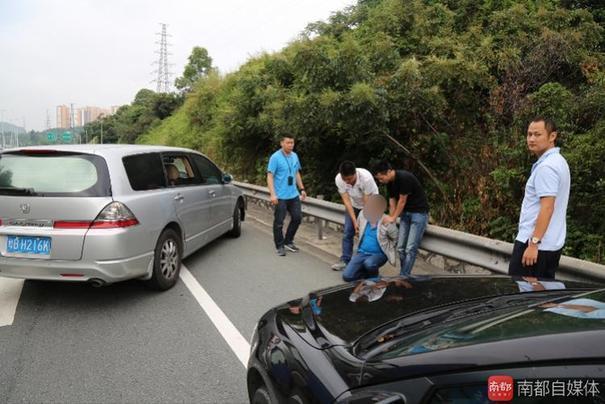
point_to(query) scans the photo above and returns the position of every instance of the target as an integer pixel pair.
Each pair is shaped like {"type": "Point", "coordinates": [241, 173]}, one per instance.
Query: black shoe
{"type": "Point", "coordinates": [281, 252]}
{"type": "Point", "coordinates": [292, 247]}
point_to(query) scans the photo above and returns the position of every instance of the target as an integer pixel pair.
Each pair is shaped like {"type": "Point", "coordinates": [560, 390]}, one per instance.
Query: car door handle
{"type": "Point", "coordinates": [179, 197]}
{"type": "Point", "coordinates": [212, 194]}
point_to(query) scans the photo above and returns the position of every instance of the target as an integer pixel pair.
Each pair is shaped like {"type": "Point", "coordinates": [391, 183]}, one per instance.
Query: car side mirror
{"type": "Point", "coordinates": [227, 178]}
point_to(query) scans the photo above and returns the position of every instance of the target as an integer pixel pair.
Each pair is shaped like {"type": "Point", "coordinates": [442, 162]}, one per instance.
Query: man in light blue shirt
{"type": "Point", "coordinates": [542, 223]}
{"type": "Point", "coordinates": [285, 182]}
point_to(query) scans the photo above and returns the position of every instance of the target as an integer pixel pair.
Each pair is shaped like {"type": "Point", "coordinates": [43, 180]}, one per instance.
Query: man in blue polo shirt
{"type": "Point", "coordinates": [542, 223]}
{"type": "Point", "coordinates": [285, 182]}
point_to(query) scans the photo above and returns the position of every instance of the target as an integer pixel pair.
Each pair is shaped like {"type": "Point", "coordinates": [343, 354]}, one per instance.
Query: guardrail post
{"type": "Point", "coordinates": [320, 223]}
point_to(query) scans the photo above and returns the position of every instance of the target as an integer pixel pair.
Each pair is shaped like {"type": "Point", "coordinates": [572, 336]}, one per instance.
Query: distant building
{"type": "Point", "coordinates": [77, 118]}
{"type": "Point", "coordinates": [81, 116]}
{"type": "Point", "coordinates": [63, 120]}
{"type": "Point", "coordinates": [91, 114]}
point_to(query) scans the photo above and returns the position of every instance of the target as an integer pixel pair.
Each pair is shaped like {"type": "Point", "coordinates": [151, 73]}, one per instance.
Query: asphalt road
{"type": "Point", "coordinates": [73, 343]}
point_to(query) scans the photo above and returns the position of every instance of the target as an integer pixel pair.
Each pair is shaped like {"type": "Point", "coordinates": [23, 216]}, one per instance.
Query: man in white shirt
{"type": "Point", "coordinates": [542, 222]}
{"type": "Point", "coordinates": [354, 186]}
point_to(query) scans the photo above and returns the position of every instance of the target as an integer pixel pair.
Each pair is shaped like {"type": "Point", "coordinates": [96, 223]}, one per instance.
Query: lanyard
{"type": "Point", "coordinates": [287, 162]}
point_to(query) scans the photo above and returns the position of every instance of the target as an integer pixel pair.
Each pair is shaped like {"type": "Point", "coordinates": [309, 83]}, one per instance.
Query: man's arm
{"type": "Point", "coordinates": [391, 206]}
{"type": "Point", "coordinates": [547, 207]}
{"type": "Point", "coordinates": [369, 188]}
{"type": "Point", "coordinates": [303, 193]}
{"type": "Point", "coordinates": [346, 200]}
{"type": "Point", "coordinates": [395, 210]}
{"type": "Point", "coordinates": [392, 232]}
{"type": "Point", "coordinates": [271, 187]}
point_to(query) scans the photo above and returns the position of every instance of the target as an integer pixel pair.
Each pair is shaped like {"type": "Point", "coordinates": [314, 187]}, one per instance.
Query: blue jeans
{"type": "Point", "coordinates": [363, 265]}
{"type": "Point", "coordinates": [411, 230]}
{"type": "Point", "coordinates": [348, 236]}
{"type": "Point", "coordinates": [283, 207]}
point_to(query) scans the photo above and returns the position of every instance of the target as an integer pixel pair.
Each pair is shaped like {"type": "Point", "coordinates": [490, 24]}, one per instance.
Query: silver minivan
{"type": "Point", "coordinates": [107, 213]}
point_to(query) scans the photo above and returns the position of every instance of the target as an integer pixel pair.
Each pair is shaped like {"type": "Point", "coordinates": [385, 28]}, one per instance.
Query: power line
{"type": "Point", "coordinates": [162, 79]}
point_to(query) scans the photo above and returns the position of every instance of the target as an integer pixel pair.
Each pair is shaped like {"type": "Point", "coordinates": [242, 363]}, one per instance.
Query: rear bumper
{"type": "Point", "coordinates": [55, 270]}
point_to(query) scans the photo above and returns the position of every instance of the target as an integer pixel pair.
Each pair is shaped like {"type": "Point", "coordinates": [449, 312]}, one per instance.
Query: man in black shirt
{"type": "Point", "coordinates": [407, 200]}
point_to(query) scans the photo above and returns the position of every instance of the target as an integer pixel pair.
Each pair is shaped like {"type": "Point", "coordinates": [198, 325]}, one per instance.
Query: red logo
{"type": "Point", "coordinates": [500, 388]}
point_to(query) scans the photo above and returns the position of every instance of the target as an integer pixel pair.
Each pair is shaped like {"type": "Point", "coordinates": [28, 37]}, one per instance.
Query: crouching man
{"type": "Point", "coordinates": [377, 241]}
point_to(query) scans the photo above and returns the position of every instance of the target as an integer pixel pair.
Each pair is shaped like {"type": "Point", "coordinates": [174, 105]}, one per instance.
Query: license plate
{"type": "Point", "coordinates": [28, 245]}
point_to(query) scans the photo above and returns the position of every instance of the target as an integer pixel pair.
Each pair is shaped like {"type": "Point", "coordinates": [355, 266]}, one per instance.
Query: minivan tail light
{"type": "Point", "coordinates": [72, 224]}
{"type": "Point", "coordinates": [37, 151]}
{"type": "Point", "coordinates": [114, 224]}
{"type": "Point", "coordinates": [114, 215]}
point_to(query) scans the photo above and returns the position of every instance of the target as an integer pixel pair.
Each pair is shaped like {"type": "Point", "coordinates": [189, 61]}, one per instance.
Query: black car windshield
{"type": "Point", "coordinates": [581, 312]}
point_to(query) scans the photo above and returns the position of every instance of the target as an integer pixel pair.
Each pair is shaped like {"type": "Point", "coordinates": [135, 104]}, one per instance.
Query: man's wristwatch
{"type": "Point", "coordinates": [535, 240]}
{"type": "Point", "coordinates": [302, 190]}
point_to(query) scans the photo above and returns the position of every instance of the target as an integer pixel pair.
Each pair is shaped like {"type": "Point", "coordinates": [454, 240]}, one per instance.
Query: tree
{"type": "Point", "coordinates": [453, 82]}
{"type": "Point", "coordinates": [200, 65]}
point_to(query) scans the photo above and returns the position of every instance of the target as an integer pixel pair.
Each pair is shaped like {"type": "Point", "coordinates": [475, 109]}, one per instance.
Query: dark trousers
{"type": "Point", "coordinates": [283, 207]}
{"type": "Point", "coordinates": [545, 267]}
{"type": "Point", "coordinates": [348, 236]}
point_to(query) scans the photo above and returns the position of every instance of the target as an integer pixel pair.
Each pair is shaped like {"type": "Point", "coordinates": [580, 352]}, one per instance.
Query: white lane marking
{"type": "Point", "coordinates": [10, 292]}
{"type": "Point", "coordinates": [238, 344]}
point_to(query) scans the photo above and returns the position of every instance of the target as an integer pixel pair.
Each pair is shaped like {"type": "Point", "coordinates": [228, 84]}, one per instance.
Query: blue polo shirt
{"type": "Point", "coordinates": [549, 177]}
{"type": "Point", "coordinates": [282, 166]}
{"type": "Point", "coordinates": [369, 242]}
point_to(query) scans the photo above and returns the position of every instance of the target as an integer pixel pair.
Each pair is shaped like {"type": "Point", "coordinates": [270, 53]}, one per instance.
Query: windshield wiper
{"type": "Point", "coordinates": [17, 191]}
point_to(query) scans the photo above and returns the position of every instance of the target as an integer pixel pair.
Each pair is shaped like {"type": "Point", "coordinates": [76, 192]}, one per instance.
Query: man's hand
{"type": "Point", "coordinates": [530, 256]}
{"type": "Point", "coordinates": [356, 227]}
{"type": "Point", "coordinates": [273, 200]}
{"type": "Point", "coordinates": [303, 195]}
{"type": "Point", "coordinates": [389, 219]}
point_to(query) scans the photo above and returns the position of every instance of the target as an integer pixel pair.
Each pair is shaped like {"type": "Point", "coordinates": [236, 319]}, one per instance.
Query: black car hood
{"type": "Point", "coordinates": [329, 317]}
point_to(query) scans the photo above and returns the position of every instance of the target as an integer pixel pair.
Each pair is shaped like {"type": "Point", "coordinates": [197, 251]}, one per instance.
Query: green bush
{"type": "Point", "coordinates": [453, 81]}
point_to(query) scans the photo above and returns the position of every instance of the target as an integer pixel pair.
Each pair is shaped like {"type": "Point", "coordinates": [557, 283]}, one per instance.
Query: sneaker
{"type": "Point", "coordinates": [339, 266]}
{"type": "Point", "coordinates": [281, 252]}
{"type": "Point", "coordinates": [292, 247]}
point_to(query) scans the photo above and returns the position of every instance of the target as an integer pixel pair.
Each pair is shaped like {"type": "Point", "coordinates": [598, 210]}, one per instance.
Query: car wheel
{"type": "Point", "coordinates": [236, 227]}
{"type": "Point", "coordinates": [261, 396]}
{"type": "Point", "coordinates": [166, 261]}
{"type": "Point", "coordinates": [297, 397]}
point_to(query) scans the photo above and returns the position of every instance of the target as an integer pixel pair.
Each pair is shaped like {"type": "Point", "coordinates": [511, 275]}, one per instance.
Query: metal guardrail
{"type": "Point", "coordinates": [465, 247]}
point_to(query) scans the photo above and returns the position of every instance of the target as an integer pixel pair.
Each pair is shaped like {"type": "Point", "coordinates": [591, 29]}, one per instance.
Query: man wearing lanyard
{"type": "Point", "coordinates": [284, 182]}
{"type": "Point", "coordinates": [542, 223]}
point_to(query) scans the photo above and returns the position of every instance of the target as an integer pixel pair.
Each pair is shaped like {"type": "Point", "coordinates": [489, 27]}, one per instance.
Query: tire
{"type": "Point", "coordinates": [236, 227]}
{"type": "Point", "coordinates": [166, 261]}
{"type": "Point", "coordinates": [261, 396]}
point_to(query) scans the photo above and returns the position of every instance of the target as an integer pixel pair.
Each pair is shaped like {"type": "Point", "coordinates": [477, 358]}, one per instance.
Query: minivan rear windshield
{"type": "Point", "coordinates": [53, 173]}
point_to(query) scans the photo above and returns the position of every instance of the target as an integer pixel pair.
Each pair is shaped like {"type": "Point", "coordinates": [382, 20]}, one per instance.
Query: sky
{"type": "Point", "coordinates": [101, 52]}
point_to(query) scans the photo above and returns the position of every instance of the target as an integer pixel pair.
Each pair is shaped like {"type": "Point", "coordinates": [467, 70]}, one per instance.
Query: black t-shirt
{"type": "Point", "coordinates": [405, 183]}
